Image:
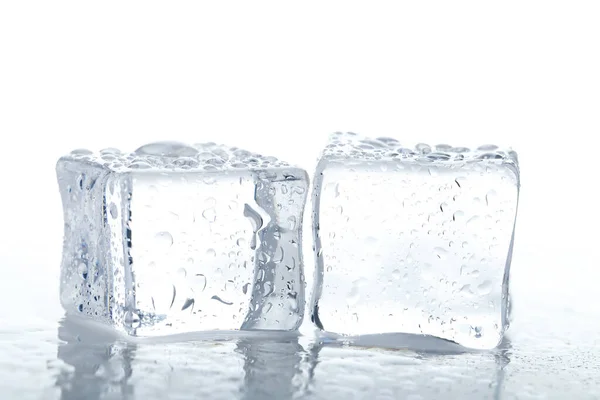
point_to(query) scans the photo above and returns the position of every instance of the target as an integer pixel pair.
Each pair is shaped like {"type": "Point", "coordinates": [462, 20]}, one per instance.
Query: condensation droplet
{"type": "Point", "coordinates": [82, 270]}
{"type": "Point", "coordinates": [458, 215]}
{"type": "Point", "coordinates": [215, 297]}
{"type": "Point", "coordinates": [465, 289]}
{"type": "Point", "coordinates": [163, 240]}
{"type": "Point", "coordinates": [490, 197]}
{"type": "Point", "coordinates": [255, 220]}
{"type": "Point", "coordinates": [189, 302]}
{"type": "Point", "coordinates": [440, 252]}
{"type": "Point", "coordinates": [113, 210]}
{"type": "Point", "coordinates": [210, 214]}
{"type": "Point", "coordinates": [292, 222]}
{"type": "Point", "coordinates": [199, 283]}
{"type": "Point", "coordinates": [484, 288]}
{"type": "Point", "coordinates": [278, 256]}
{"type": "Point", "coordinates": [211, 253]}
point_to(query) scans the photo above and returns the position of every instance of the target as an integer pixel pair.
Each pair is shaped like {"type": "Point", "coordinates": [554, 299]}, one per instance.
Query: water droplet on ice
{"type": "Point", "coordinates": [113, 210]}
{"type": "Point", "coordinates": [485, 288]}
{"type": "Point", "coordinates": [187, 304]}
{"type": "Point", "coordinates": [423, 148]}
{"type": "Point", "coordinates": [256, 221]}
{"type": "Point", "coordinates": [211, 253]}
{"type": "Point", "coordinates": [215, 297]}
{"type": "Point", "coordinates": [457, 216]}
{"type": "Point", "coordinates": [167, 149]}
{"type": "Point", "coordinates": [292, 222]}
{"type": "Point", "coordinates": [490, 197]}
{"type": "Point", "coordinates": [82, 270]}
{"type": "Point", "coordinates": [199, 283]}
{"type": "Point", "coordinates": [465, 289]}
{"type": "Point", "coordinates": [440, 252]}
{"type": "Point", "coordinates": [163, 240]}
{"type": "Point", "coordinates": [210, 214]}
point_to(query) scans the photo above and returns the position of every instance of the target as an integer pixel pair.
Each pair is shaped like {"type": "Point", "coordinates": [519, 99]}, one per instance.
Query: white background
{"type": "Point", "coordinates": [277, 77]}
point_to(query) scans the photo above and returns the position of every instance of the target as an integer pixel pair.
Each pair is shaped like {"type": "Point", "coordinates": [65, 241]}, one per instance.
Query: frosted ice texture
{"type": "Point", "coordinates": [414, 240]}
{"type": "Point", "coordinates": [174, 238]}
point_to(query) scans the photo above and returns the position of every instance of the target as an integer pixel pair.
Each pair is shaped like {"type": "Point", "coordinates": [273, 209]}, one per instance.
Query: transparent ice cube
{"type": "Point", "coordinates": [414, 240]}
{"type": "Point", "coordinates": [174, 238]}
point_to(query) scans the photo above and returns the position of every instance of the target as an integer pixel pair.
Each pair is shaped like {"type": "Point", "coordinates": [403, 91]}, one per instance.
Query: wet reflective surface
{"type": "Point", "coordinates": [75, 360]}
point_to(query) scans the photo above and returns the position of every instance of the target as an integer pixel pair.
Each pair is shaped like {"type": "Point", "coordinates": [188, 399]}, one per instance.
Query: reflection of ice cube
{"type": "Point", "coordinates": [414, 240]}
{"type": "Point", "coordinates": [175, 238]}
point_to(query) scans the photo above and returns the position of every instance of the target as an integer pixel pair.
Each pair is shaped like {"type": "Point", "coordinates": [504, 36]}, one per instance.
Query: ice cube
{"type": "Point", "coordinates": [174, 238]}
{"type": "Point", "coordinates": [414, 240]}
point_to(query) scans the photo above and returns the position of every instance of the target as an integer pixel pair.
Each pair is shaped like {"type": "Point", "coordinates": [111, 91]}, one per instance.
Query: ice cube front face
{"type": "Point", "coordinates": [175, 238]}
{"type": "Point", "coordinates": [414, 240]}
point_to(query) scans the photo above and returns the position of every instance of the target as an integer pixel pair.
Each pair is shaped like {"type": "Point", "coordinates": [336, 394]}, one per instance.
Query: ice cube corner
{"type": "Point", "coordinates": [414, 239]}
{"type": "Point", "coordinates": [174, 238]}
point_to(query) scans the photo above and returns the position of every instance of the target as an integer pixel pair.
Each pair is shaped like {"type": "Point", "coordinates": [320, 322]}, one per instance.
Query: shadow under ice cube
{"type": "Point", "coordinates": [414, 240]}
{"type": "Point", "coordinates": [175, 238]}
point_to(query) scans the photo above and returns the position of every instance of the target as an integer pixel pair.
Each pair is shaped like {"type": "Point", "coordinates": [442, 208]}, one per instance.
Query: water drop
{"type": "Point", "coordinates": [472, 220]}
{"type": "Point", "coordinates": [245, 288]}
{"type": "Point", "coordinates": [267, 288]}
{"type": "Point", "coordinates": [485, 287]}
{"type": "Point", "coordinates": [113, 210]}
{"type": "Point", "coordinates": [211, 253]}
{"type": "Point", "coordinates": [423, 148]}
{"type": "Point", "coordinates": [82, 270]}
{"type": "Point", "coordinates": [256, 221]}
{"type": "Point", "coordinates": [292, 222]}
{"type": "Point", "coordinates": [215, 297]}
{"type": "Point", "coordinates": [487, 147]}
{"type": "Point", "coordinates": [187, 304]}
{"type": "Point", "coordinates": [81, 152]}
{"type": "Point", "coordinates": [440, 252]}
{"type": "Point", "coordinates": [199, 283]}
{"type": "Point", "coordinates": [174, 295]}
{"type": "Point", "coordinates": [490, 197]}
{"type": "Point", "coordinates": [181, 272]}
{"type": "Point", "coordinates": [163, 240]}
{"type": "Point", "coordinates": [167, 149]}
{"type": "Point", "coordinates": [278, 256]}
{"type": "Point", "coordinates": [139, 164]}
{"type": "Point", "coordinates": [466, 289]}
{"type": "Point", "coordinates": [210, 214]}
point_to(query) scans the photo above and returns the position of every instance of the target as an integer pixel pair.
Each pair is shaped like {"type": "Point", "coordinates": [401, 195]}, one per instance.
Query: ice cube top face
{"type": "Point", "coordinates": [174, 238]}
{"type": "Point", "coordinates": [414, 240]}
